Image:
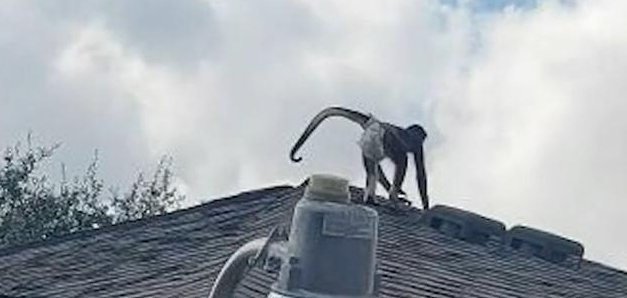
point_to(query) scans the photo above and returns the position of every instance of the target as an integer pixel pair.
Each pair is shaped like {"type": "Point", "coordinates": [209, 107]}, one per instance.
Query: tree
{"type": "Point", "coordinates": [32, 207]}
{"type": "Point", "coordinates": [147, 197]}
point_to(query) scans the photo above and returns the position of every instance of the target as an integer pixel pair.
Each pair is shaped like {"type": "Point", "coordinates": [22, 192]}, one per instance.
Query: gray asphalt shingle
{"type": "Point", "coordinates": [179, 255]}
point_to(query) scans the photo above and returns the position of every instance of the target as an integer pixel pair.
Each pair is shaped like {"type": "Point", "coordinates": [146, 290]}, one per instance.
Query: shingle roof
{"type": "Point", "coordinates": [180, 254]}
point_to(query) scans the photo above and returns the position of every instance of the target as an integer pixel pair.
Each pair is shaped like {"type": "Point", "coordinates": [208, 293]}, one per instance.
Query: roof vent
{"type": "Point", "coordinates": [461, 224]}
{"type": "Point", "coordinates": [547, 246]}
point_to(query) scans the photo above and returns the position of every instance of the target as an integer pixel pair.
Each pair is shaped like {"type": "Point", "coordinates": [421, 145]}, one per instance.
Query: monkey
{"type": "Point", "coordinates": [379, 140]}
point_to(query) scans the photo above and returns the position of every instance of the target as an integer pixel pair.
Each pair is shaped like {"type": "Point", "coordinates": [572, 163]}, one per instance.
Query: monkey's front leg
{"type": "Point", "coordinates": [371, 180]}
{"type": "Point", "coordinates": [421, 178]}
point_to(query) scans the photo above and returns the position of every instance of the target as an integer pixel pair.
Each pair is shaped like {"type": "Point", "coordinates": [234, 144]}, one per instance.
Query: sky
{"type": "Point", "coordinates": [523, 101]}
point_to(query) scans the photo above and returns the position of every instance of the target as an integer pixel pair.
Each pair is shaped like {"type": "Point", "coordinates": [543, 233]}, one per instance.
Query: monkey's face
{"type": "Point", "coordinates": [415, 135]}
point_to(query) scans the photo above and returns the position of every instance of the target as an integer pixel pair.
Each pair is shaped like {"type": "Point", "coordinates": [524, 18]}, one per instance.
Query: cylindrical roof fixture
{"type": "Point", "coordinates": [330, 252]}
{"type": "Point", "coordinates": [332, 244]}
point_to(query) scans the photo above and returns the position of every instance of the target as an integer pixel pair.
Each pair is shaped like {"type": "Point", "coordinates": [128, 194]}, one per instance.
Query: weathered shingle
{"type": "Point", "coordinates": [179, 255]}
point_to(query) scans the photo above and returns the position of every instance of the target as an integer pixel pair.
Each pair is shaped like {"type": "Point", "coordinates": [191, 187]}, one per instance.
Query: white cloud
{"type": "Point", "coordinates": [534, 133]}
{"type": "Point", "coordinates": [523, 106]}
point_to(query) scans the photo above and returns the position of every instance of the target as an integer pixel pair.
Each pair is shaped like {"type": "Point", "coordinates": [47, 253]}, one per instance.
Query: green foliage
{"type": "Point", "coordinates": [32, 207]}
{"type": "Point", "coordinates": [147, 197]}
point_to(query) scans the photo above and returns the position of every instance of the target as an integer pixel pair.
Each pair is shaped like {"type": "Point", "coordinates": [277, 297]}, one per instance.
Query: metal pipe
{"type": "Point", "coordinates": [235, 268]}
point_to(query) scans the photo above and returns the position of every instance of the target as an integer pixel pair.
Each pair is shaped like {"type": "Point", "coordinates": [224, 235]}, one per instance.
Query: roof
{"type": "Point", "coordinates": [179, 255]}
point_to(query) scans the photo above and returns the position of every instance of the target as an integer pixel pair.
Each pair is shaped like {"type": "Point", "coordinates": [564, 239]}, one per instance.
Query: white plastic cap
{"type": "Point", "coordinates": [327, 188]}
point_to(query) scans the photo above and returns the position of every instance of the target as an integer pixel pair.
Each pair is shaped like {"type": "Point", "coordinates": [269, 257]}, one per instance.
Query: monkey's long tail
{"type": "Point", "coordinates": [354, 116]}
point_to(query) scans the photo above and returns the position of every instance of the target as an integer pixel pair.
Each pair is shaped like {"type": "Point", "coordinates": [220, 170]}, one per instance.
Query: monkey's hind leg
{"type": "Point", "coordinates": [385, 182]}
{"type": "Point", "coordinates": [399, 177]}
{"type": "Point", "coordinates": [372, 173]}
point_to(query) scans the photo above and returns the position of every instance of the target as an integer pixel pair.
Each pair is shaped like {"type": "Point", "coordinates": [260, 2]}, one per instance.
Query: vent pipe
{"type": "Point", "coordinates": [330, 251]}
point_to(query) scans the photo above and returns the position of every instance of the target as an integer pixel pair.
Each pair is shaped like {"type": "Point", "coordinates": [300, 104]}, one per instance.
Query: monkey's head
{"type": "Point", "coordinates": [415, 135]}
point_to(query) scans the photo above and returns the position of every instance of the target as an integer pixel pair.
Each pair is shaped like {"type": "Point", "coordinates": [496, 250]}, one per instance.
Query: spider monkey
{"type": "Point", "coordinates": [378, 141]}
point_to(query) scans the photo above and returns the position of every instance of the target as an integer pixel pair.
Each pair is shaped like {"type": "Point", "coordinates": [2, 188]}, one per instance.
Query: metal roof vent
{"type": "Point", "coordinates": [464, 225]}
{"type": "Point", "coordinates": [550, 247]}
